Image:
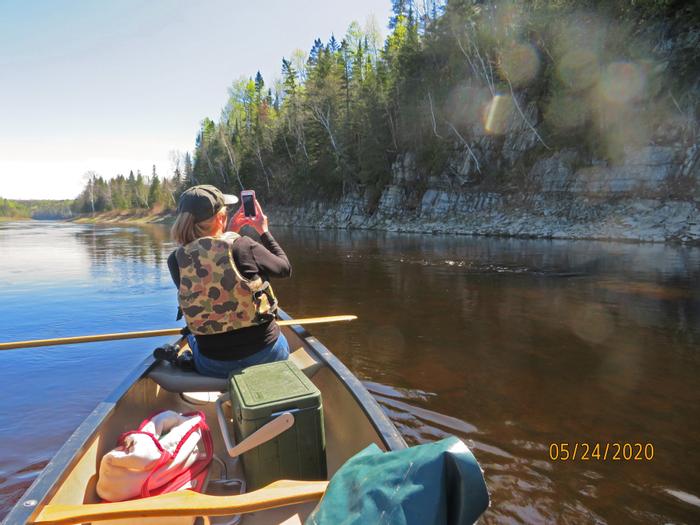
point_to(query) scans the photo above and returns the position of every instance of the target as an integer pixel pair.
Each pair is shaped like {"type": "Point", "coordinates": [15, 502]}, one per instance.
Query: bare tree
{"type": "Point", "coordinates": [175, 158]}
{"type": "Point", "coordinates": [231, 155]}
{"type": "Point", "coordinates": [91, 177]}
{"type": "Point", "coordinates": [323, 117]}
{"type": "Point", "coordinates": [299, 58]}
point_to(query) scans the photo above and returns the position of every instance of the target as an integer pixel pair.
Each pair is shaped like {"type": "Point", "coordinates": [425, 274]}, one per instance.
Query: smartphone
{"type": "Point", "coordinates": [248, 200]}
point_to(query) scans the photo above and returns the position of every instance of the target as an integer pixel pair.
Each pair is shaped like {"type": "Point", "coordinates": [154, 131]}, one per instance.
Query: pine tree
{"type": "Point", "coordinates": [290, 76]}
{"type": "Point", "coordinates": [314, 52]}
{"type": "Point", "coordinates": [259, 83]}
{"type": "Point", "coordinates": [333, 44]}
{"type": "Point", "coordinates": [400, 9]}
{"type": "Point", "coordinates": [188, 172]}
{"type": "Point", "coordinates": [154, 192]}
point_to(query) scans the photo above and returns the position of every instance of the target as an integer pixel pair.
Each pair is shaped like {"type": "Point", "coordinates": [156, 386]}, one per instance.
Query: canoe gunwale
{"type": "Point", "coordinates": [380, 421]}
{"type": "Point", "coordinates": [48, 481]}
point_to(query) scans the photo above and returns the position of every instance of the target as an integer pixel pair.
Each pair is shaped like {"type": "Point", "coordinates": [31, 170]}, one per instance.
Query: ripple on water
{"type": "Point", "coordinates": [16, 482]}
{"type": "Point", "coordinates": [685, 497]}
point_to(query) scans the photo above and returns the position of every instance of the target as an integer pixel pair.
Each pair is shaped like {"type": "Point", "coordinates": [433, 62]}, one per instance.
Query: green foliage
{"type": "Point", "coordinates": [338, 117]}
{"type": "Point", "coordinates": [36, 209]}
{"type": "Point", "coordinates": [10, 208]}
{"type": "Point", "coordinates": [123, 193]}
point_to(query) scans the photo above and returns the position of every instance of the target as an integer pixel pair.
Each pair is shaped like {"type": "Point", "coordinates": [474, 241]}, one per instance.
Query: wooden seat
{"type": "Point", "coordinates": [174, 379]}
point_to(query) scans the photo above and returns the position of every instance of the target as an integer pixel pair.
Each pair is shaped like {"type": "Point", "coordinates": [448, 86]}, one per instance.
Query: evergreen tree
{"type": "Point", "coordinates": [314, 52]}
{"type": "Point", "coordinates": [188, 172]}
{"type": "Point", "coordinates": [290, 76]}
{"type": "Point", "coordinates": [154, 192]}
{"type": "Point", "coordinates": [259, 83]}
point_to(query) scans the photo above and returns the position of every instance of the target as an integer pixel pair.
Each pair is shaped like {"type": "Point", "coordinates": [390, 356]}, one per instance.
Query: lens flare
{"type": "Point", "coordinates": [497, 114]}
{"type": "Point", "coordinates": [622, 82]}
{"type": "Point", "coordinates": [567, 112]}
{"type": "Point", "coordinates": [592, 323]}
{"type": "Point", "coordinates": [519, 63]}
{"type": "Point", "coordinates": [503, 22]}
{"type": "Point", "coordinates": [578, 69]}
{"type": "Point", "coordinates": [579, 32]}
{"type": "Point", "coordinates": [465, 105]}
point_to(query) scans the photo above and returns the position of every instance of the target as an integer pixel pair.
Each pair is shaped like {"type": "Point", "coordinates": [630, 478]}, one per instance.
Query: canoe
{"type": "Point", "coordinates": [352, 420]}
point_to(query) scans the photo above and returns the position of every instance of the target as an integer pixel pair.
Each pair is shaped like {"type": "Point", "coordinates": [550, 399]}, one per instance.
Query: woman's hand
{"type": "Point", "coordinates": [259, 222]}
{"type": "Point", "coordinates": [236, 222]}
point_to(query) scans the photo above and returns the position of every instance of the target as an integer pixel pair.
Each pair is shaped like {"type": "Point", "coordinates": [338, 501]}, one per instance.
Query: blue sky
{"type": "Point", "coordinates": [111, 86]}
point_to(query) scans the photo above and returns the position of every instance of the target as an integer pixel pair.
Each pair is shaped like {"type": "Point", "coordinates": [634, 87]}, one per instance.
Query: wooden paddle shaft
{"type": "Point", "coordinates": [186, 503]}
{"type": "Point", "coordinates": [152, 333]}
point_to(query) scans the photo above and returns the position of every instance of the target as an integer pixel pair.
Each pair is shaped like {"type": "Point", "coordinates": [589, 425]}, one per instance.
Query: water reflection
{"type": "Point", "coordinates": [59, 280]}
{"type": "Point", "coordinates": [129, 254]}
{"type": "Point", "coordinates": [509, 344]}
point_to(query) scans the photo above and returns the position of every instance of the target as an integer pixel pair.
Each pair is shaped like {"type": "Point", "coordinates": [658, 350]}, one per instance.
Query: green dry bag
{"type": "Point", "coordinates": [437, 483]}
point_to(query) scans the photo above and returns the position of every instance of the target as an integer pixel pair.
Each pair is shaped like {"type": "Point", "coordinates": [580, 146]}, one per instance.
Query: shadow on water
{"type": "Point", "coordinates": [511, 345]}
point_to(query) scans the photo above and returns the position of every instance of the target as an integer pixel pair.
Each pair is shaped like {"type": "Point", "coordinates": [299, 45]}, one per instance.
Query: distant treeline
{"type": "Point", "coordinates": [36, 209]}
{"type": "Point", "coordinates": [341, 114]}
{"type": "Point", "coordinates": [132, 192]}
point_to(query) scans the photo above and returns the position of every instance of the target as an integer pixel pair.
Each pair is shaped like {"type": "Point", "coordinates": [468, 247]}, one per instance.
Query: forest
{"type": "Point", "coordinates": [37, 209]}
{"type": "Point", "coordinates": [341, 113]}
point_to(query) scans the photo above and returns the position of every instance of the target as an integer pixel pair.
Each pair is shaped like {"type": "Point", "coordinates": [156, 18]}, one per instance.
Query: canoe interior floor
{"type": "Point", "coordinates": [347, 429]}
{"type": "Point", "coordinates": [146, 398]}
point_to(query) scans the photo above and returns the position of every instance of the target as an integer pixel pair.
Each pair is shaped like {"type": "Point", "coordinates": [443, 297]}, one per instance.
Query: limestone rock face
{"type": "Point", "coordinates": [437, 204]}
{"type": "Point", "coordinates": [392, 200]}
{"type": "Point", "coordinates": [403, 170]}
{"type": "Point", "coordinates": [519, 136]}
{"type": "Point", "coordinates": [690, 171]}
{"type": "Point", "coordinates": [554, 174]}
{"type": "Point", "coordinates": [629, 201]}
{"type": "Point", "coordinates": [463, 168]}
{"type": "Point", "coordinates": [645, 170]}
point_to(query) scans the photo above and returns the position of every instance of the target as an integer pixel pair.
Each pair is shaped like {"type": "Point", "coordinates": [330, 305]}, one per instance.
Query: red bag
{"type": "Point", "coordinates": [168, 452]}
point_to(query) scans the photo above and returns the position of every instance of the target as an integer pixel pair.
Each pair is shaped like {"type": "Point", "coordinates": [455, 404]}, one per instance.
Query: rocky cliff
{"type": "Point", "coordinates": [637, 177]}
{"type": "Point", "coordinates": [652, 195]}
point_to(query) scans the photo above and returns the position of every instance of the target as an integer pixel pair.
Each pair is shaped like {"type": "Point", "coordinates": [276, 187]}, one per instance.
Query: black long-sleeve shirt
{"type": "Point", "coordinates": [265, 260]}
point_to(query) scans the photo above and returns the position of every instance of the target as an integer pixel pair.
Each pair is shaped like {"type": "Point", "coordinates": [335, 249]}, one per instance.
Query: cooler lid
{"type": "Point", "coordinates": [264, 389]}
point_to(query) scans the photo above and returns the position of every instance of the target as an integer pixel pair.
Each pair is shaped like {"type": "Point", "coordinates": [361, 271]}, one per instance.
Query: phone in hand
{"type": "Point", "coordinates": [248, 200]}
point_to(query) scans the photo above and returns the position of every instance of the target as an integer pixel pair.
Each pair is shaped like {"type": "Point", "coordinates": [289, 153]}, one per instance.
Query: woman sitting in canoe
{"type": "Point", "coordinates": [223, 283]}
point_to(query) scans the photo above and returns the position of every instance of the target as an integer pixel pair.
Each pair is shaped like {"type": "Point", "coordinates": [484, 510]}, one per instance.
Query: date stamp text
{"type": "Point", "coordinates": [611, 451]}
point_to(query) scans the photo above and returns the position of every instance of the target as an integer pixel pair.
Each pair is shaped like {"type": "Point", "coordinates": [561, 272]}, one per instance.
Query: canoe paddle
{"type": "Point", "coordinates": [186, 503]}
{"type": "Point", "coordinates": [153, 333]}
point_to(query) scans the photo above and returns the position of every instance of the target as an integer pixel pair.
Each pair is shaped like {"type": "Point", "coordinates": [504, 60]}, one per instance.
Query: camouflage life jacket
{"type": "Point", "coordinates": [213, 295]}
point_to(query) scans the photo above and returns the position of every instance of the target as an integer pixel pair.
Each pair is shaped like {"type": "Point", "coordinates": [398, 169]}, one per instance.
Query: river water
{"type": "Point", "coordinates": [512, 345]}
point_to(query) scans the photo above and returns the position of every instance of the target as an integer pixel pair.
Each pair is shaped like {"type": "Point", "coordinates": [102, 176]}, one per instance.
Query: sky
{"type": "Point", "coordinates": [113, 86]}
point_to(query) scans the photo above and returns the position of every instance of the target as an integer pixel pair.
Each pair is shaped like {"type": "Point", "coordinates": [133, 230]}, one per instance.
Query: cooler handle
{"type": "Point", "coordinates": [265, 433]}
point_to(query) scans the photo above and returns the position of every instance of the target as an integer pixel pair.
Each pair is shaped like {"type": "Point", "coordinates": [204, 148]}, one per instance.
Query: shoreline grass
{"type": "Point", "coordinates": [125, 217]}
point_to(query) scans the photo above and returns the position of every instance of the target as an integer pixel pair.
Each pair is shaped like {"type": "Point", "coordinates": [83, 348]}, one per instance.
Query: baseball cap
{"type": "Point", "coordinates": [204, 201]}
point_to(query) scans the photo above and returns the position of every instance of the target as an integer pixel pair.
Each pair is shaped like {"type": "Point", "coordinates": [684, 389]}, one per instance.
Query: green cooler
{"type": "Point", "coordinates": [258, 394]}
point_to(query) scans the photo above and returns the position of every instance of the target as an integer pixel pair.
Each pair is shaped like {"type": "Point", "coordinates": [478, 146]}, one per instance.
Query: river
{"type": "Point", "coordinates": [516, 346]}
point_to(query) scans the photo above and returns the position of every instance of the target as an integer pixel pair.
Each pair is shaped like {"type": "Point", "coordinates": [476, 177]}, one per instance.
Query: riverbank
{"type": "Point", "coordinates": [510, 215]}
{"type": "Point", "coordinates": [486, 214]}
{"type": "Point", "coordinates": [651, 195]}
